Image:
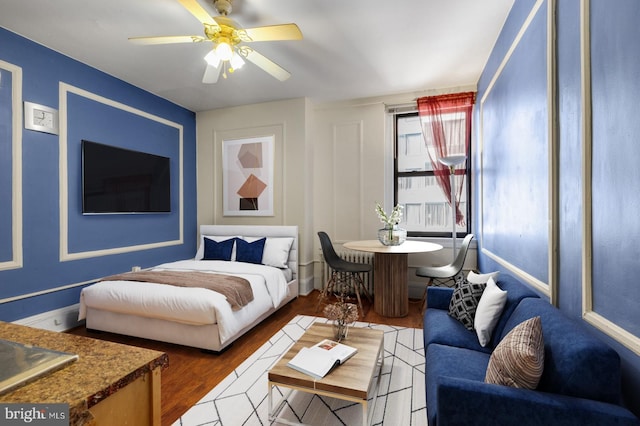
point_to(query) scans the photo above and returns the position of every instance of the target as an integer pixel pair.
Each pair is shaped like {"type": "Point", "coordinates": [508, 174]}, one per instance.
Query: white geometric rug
{"type": "Point", "coordinates": [241, 398]}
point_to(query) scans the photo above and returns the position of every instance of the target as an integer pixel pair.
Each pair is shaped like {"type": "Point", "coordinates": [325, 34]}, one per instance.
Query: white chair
{"type": "Point", "coordinates": [446, 274]}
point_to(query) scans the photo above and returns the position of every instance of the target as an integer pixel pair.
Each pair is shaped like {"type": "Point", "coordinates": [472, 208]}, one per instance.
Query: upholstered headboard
{"type": "Point", "coordinates": [259, 231]}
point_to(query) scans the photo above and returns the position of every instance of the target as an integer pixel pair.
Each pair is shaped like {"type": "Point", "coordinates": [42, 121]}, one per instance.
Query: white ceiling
{"type": "Point", "coordinates": [351, 49]}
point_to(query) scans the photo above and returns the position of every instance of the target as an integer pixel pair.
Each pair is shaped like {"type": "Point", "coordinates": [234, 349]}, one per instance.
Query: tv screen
{"type": "Point", "coordinates": [117, 180]}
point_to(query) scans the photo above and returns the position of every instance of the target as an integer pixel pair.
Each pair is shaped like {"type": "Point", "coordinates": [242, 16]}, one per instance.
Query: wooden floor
{"type": "Point", "coordinates": [192, 372]}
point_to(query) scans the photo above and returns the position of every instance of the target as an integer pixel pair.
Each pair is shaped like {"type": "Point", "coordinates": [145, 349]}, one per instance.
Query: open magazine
{"type": "Point", "coordinates": [318, 360]}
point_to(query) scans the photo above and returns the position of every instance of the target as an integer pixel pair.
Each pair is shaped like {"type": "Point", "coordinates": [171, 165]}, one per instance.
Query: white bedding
{"type": "Point", "coordinates": [195, 306]}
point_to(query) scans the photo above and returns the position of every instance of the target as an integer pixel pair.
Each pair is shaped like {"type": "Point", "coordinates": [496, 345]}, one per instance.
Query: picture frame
{"type": "Point", "coordinates": [248, 178]}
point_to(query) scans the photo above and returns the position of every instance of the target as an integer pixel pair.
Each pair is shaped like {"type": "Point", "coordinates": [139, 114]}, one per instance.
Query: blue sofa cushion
{"type": "Point", "coordinates": [439, 297]}
{"type": "Point", "coordinates": [449, 361]}
{"type": "Point", "coordinates": [440, 327]}
{"type": "Point", "coordinates": [575, 362]}
{"type": "Point", "coordinates": [516, 291]}
{"type": "Point", "coordinates": [486, 404]}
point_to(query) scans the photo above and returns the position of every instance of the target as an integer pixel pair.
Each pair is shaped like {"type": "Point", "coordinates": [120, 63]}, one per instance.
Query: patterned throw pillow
{"type": "Point", "coordinates": [464, 301]}
{"type": "Point", "coordinates": [518, 360]}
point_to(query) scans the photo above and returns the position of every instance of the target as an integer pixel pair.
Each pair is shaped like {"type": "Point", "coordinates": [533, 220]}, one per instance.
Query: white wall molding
{"type": "Point", "coordinates": [16, 164]}
{"type": "Point", "coordinates": [603, 324]}
{"type": "Point", "coordinates": [65, 255]}
{"type": "Point", "coordinates": [547, 289]}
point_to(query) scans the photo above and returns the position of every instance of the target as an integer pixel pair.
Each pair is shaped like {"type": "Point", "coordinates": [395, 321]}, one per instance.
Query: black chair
{"type": "Point", "coordinates": [344, 274]}
{"type": "Point", "coordinates": [446, 274]}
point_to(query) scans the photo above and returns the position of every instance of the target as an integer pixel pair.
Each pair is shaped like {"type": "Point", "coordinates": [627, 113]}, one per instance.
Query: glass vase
{"type": "Point", "coordinates": [392, 235]}
{"type": "Point", "coordinates": [340, 330]}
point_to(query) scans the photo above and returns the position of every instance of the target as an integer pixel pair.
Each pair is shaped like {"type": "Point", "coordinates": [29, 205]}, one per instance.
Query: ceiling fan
{"type": "Point", "coordinates": [228, 38]}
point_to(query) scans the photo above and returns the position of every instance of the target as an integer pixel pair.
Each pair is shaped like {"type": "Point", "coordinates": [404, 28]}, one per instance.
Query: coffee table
{"type": "Point", "coordinates": [356, 380]}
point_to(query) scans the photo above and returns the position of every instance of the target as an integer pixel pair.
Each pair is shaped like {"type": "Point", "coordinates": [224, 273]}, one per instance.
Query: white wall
{"type": "Point", "coordinates": [287, 121]}
{"type": "Point", "coordinates": [332, 162]}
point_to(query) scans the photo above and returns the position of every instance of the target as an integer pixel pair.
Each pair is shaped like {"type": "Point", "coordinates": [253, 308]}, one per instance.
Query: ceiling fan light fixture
{"type": "Point", "coordinates": [212, 59]}
{"type": "Point", "coordinates": [226, 36]}
{"type": "Point", "coordinates": [224, 51]}
{"type": "Point", "coordinates": [236, 61]}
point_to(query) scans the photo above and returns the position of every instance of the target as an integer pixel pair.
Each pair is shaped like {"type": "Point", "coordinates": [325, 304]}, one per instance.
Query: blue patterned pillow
{"type": "Point", "coordinates": [214, 250]}
{"type": "Point", "coordinates": [464, 301]}
{"type": "Point", "coordinates": [250, 252]}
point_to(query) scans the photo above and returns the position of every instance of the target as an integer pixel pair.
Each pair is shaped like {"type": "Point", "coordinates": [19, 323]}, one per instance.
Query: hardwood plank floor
{"type": "Point", "coordinates": [192, 372]}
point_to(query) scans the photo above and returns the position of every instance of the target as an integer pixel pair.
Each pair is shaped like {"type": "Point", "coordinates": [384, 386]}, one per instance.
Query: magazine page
{"type": "Point", "coordinates": [338, 351]}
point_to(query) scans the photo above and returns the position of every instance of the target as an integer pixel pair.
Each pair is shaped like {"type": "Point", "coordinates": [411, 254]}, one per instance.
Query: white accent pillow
{"type": "Point", "coordinates": [276, 250]}
{"type": "Point", "coordinates": [488, 311]}
{"type": "Point", "coordinates": [217, 239]}
{"type": "Point", "coordinates": [474, 278]}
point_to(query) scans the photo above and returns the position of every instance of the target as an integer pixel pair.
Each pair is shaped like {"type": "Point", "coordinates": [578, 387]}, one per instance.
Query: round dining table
{"type": "Point", "coordinates": [390, 265]}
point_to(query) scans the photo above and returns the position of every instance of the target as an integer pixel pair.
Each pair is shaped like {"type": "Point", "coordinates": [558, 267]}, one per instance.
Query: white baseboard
{"type": "Point", "coordinates": [305, 286]}
{"type": "Point", "coordinates": [62, 319]}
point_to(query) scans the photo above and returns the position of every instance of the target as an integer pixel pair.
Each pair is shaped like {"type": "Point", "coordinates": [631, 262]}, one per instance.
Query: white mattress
{"type": "Point", "coordinates": [196, 306]}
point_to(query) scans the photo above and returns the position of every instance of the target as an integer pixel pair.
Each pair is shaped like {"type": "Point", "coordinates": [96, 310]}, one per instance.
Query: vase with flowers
{"type": "Point", "coordinates": [391, 234]}
{"type": "Point", "coordinates": [342, 314]}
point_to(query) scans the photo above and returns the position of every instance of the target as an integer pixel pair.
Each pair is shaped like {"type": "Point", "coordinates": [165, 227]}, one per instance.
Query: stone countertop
{"type": "Point", "coordinates": [101, 370]}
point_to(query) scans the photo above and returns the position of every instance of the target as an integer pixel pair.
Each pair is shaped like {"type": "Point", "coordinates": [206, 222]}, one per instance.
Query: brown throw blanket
{"type": "Point", "coordinates": [237, 290]}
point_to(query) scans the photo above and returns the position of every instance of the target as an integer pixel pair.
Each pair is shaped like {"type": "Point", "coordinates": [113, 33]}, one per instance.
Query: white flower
{"type": "Point", "coordinates": [394, 218]}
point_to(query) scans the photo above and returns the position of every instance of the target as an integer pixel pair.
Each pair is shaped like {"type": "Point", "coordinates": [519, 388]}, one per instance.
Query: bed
{"type": "Point", "coordinates": [195, 316]}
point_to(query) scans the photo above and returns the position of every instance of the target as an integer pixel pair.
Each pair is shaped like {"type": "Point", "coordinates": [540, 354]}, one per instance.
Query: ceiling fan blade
{"type": "Point", "coordinates": [273, 33]}
{"type": "Point", "coordinates": [198, 11]}
{"type": "Point", "coordinates": [225, 20]}
{"type": "Point", "coordinates": [211, 74]}
{"type": "Point", "coordinates": [266, 64]}
{"type": "Point", "coordinates": [166, 39]}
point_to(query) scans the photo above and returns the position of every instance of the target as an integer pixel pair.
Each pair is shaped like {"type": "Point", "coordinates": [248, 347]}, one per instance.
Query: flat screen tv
{"type": "Point", "coordinates": [117, 180]}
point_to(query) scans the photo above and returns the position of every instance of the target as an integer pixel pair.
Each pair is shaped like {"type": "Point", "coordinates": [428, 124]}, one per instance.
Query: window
{"type": "Point", "coordinates": [427, 211]}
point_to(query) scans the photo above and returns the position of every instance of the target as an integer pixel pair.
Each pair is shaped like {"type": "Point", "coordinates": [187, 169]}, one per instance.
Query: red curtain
{"type": "Point", "coordinates": [445, 136]}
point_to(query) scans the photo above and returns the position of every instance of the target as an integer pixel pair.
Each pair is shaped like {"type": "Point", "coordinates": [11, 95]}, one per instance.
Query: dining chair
{"type": "Point", "coordinates": [444, 275]}
{"type": "Point", "coordinates": [344, 274]}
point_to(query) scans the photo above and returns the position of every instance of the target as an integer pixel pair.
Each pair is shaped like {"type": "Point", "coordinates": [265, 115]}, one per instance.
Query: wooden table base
{"type": "Point", "coordinates": [390, 287]}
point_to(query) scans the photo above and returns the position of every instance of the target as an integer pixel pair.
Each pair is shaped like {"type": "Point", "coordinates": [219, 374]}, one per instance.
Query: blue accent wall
{"type": "Point", "coordinates": [511, 139]}
{"type": "Point", "coordinates": [103, 109]}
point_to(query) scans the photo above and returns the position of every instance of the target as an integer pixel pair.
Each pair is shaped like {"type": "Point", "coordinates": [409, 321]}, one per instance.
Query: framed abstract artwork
{"type": "Point", "coordinates": [247, 181]}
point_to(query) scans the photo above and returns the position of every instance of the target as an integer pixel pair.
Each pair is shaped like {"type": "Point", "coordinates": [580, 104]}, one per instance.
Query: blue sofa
{"type": "Point", "coordinates": [580, 384]}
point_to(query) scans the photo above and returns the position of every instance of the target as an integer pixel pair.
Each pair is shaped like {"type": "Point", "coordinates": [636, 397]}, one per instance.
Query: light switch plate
{"type": "Point", "coordinates": [41, 118]}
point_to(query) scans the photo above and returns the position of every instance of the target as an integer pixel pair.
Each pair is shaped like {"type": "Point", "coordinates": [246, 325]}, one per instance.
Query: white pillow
{"type": "Point", "coordinates": [488, 311]}
{"type": "Point", "coordinates": [474, 278]}
{"type": "Point", "coordinates": [276, 250]}
{"type": "Point", "coordinates": [217, 239]}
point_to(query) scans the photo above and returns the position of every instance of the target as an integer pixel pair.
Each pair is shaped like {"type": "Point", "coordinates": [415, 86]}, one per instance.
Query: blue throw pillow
{"type": "Point", "coordinates": [214, 250]}
{"type": "Point", "coordinates": [250, 252]}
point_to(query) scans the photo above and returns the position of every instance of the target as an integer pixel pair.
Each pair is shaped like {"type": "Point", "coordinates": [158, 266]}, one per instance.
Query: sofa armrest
{"type": "Point", "coordinates": [439, 297]}
{"type": "Point", "coordinates": [469, 402]}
